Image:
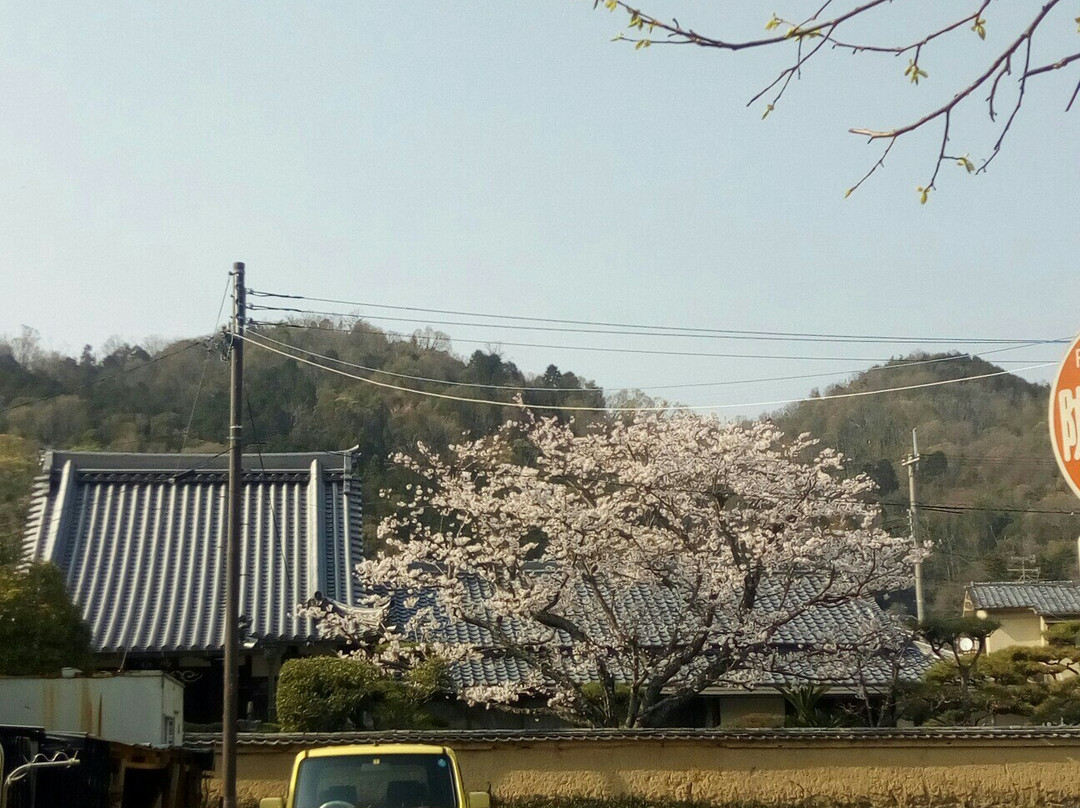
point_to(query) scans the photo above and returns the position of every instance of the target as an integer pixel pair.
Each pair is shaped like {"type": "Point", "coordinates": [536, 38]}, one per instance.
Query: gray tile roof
{"type": "Point", "coordinates": [794, 673]}
{"type": "Point", "coordinates": [657, 611]}
{"type": "Point", "coordinates": [140, 539]}
{"type": "Point", "coordinates": [1049, 598]}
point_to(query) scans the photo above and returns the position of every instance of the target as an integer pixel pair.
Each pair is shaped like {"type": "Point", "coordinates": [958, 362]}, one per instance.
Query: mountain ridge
{"type": "Point", "coordinates": [988, 483]}
{"type": "Point", "coordinates": [990, 492]}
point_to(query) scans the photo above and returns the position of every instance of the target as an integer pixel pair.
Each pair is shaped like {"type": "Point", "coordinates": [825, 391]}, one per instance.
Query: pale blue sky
{"type": "Point", "coordinates": [506, 157]}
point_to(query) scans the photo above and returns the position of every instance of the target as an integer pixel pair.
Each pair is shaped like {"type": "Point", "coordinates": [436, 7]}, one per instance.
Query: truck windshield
{"type": "Point", "coordinates": [376, 781]}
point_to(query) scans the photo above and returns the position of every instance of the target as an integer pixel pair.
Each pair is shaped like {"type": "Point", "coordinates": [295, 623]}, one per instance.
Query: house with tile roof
{"type": "Point", "coordinates": [140, 540]}
{"type": "Point", "coordinates": [1024, 609]}
{"type": "Point", "coordinates": [800, 654]}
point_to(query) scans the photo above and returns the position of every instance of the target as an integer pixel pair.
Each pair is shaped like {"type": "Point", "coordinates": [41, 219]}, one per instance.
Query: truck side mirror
{"type": "Point", "coordinates": [477, 799]}
{"type": "Point", "coordinates": [271, 802]}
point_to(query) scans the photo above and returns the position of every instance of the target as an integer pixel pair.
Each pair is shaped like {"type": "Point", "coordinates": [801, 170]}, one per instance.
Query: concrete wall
{"type": "Point", "coordinates": [141, 708]}
{"type": "Point", "coordinates": [1013, 772]}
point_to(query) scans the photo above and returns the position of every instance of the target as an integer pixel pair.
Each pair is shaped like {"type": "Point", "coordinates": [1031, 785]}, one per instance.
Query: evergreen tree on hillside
{"type": "Point", "coordinates": [141, 399]}
{"type": "Point", "coordinates": [984, 443]}
{"type": "Point", "coordinates": [987, 471]}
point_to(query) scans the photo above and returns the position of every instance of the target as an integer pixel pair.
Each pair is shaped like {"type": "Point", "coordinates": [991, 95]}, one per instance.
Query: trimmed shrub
{"type": "Point", "coordinates": [326, 694]}
{"type": "Point", "coordinates": [330, 694]}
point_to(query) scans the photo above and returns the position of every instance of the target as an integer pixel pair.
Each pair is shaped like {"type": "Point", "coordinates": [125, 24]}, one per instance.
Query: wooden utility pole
{"type": "Point", "coordinates": [912, 464]}
{"type": "Point", "coordinates": [230, 709]}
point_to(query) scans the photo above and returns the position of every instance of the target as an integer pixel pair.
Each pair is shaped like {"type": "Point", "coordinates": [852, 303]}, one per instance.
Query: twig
{"type": "Point", "coordinates": [821, 10]}
{"type": "Point", "coordinates": [1006, 69]}
{"type": "Point", "coordinates": [787, 74]}
{"type": "Point", "coordinates": [691, 37]}
{"type": "Point", "coordinates": [1060, 63]}
{"type": "Point", "coordinates": [964, 93]}
{"type": "Point", "coordinates": [880, 163]}
{"type": "Point", "coordinates": [1016, 109]}
{"type": "Point", "coordinates": [915, 45]}
{"type": "Point", "coordinates": [941, 151]}
{"type": "Point", "coordinates": [826, 30]}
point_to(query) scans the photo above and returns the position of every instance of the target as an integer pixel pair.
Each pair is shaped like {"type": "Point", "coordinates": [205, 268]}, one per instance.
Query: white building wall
{"type": "Point", "coordinates": [143, 708]}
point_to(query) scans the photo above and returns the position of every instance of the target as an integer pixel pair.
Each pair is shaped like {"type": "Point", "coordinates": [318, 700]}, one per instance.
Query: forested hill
{"type": "Point", "coordinates": [987, 475]}
{"type": "Point", "coordinates": [141, 398]}
{"type": "Point", "coordinates": [989, 488]}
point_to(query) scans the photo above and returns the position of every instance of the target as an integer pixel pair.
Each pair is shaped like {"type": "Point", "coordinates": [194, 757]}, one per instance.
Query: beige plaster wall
{"type": "Point", "coordinates": [1016, 629]}
{"type": "Point", "coordinates": [894, 772]}
{"type": "Point", "coordinates": [782, 774]}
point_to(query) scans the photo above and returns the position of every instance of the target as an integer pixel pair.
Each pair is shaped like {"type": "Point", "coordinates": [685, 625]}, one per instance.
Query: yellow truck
{"type": "Point", "coordinates": [377, 776]}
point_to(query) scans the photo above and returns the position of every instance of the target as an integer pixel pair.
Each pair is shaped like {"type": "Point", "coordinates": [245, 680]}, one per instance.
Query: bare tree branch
{"type": "Point", "coordinates": [642, 25]}
{"type": "Point", "coordinates": [1016, 108]}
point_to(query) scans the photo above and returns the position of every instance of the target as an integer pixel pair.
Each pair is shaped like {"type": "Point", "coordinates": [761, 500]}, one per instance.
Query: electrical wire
{"type": "Point", "coordinates": [653, 352]}
{"type": "Point", "coordinates": [795, 335]}
{"type": "Point", "coordinates": [684, 333]}
{"type": "Point", "coordinates": [1002, 460]}
{"type": "Point", "coordinates": [181, 473]}
{"type": "Point", "coordinates": [206, 364]}
{"type": "Point", "coordinates": [410, 377]}
{"type": "Point", "coordinates": [679, 408]}
{"type": "Point", "coordinates": [279, 541]}
{"type": "Point", "coordinates": [989, 509]}
{"type": "Point", "coordinates": [904, 507]}
{"type": "Point", "coordinates": [515, 388]}
{"type": "Point", "coordinates": [940, 507]}
{"type": "Point", "coordinates": [103, 379]}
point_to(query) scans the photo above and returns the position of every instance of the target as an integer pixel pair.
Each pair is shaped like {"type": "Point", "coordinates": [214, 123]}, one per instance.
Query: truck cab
{"type": "Point", "coordinates": [377, 776]}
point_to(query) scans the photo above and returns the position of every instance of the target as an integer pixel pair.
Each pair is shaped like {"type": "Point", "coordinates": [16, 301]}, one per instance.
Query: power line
{"type": "Point", "coordinates": [655, 352]}
{"type": "Point", "coordinates": [990, 509]}
{"type": "Point", "coordinates": [279, 541]}
{"type": "Point", "coordinates": [685, 333]}
{"type": "Point", "coordinates": [103, 379]}
{"type": "Point", "coordinates": [680, 408]}
{"type": "Point", "coordinates": [515, 388]}
{"type": "Point", "coordinates": [1005, 461]}
{"type": "Point", "coordinates": [411, 377]}
{"type": "Point", "coordinates": [722, 332]}
{"type": "Point", "coordinates": [182, 473]}
{"type": "Point", "coordinates": [941, 507]}
{"type": "Point", "coordinates": [202, 376]}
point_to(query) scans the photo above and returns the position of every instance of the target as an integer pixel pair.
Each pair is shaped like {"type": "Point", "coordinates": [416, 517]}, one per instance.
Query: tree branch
{"type": "Point", "coordinates": [826, 30]}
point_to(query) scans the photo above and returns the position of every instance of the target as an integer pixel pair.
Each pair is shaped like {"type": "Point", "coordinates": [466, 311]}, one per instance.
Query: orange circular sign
{"type": "Point", "coordinates": [1065, 416]}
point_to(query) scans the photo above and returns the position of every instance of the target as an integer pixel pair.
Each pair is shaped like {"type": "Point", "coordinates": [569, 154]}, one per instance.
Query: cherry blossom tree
{"type": "Point", "coordinates": [620, 572]}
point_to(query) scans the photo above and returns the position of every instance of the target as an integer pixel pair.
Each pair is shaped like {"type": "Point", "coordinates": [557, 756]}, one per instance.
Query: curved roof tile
{"type": "Point", "coordinates": [140, 539]}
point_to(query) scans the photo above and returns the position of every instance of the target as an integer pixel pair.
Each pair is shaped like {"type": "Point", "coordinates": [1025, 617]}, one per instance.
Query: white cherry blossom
{"type": "Point", "coordinates": [630, 567]}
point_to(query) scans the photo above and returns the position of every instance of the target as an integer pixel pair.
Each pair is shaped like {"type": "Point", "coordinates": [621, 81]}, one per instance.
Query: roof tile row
{"type": "Point", "coordinates": [142, 545]}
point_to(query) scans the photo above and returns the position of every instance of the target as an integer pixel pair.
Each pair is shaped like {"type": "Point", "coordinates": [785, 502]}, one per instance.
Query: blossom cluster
{"type": "Point", "coordinates": [630, 567]}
